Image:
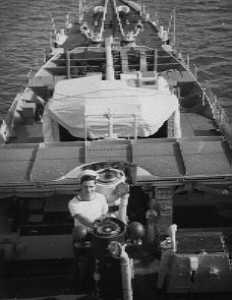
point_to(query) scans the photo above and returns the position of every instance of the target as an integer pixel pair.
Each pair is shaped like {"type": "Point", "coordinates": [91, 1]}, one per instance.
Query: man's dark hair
{"type": "Point", "coordinates": [87, 178]}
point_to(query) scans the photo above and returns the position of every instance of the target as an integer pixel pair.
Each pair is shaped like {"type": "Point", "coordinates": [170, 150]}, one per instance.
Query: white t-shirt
{"type": "Point", "coordinates": [91, 210]}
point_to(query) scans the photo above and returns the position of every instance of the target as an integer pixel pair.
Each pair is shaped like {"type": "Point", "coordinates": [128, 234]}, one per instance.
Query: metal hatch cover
{"type": "Point", "coordinates": [15, 162]}
{"type": "Point", "coordinates": [205, 157]}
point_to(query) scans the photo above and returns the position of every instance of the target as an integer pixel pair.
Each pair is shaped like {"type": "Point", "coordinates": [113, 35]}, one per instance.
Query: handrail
{"type": "Point", "coordinates": [8, 123]}
{"type": "Point", "coordinates": [111, 117]}
{"type": "Point", "coordinates": [94, 66]}
{"type": "Point", "coordinates": [100, 58]}
{"type": "Point", "coordinates": [68, 66]}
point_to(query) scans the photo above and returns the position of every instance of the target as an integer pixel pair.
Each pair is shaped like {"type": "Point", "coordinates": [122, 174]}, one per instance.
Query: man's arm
{"type": "Point", "coordinates": [83, 221]}
{"type": "Point", "coordinates": [78, 219]}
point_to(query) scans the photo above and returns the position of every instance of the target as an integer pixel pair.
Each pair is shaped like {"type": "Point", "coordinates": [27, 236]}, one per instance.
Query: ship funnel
{"type": "Point", "coordinates": [109, 59]}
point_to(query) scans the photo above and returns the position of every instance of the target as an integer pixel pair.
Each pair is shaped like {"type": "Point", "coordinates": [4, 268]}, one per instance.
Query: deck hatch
{"type": "Point", "coordinates": [55, 161]}
{"type": "Point", "coordinates": [158, 157]}
{"type": "Point", "coordinates": [198, 242]}
{"type": "Point", "coordinates": [205, 157]}
{"type": "Point", "coordinates": [15, 163]}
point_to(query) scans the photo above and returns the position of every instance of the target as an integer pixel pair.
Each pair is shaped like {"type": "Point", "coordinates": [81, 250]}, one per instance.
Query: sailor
{"type": "Point", "coordinates": [85, 208]}
{"type": "Point", "coordinates": [88, 205]}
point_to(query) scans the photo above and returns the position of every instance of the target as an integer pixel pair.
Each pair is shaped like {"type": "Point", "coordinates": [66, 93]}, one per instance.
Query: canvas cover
{"type": "Point", "coordinates": [91, 101]}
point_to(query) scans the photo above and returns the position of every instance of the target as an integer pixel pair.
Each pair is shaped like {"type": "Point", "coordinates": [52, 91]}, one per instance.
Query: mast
{"type": "Point", "coordinates": [104, 18]}
{"type": "Point", "coordinates": [174, 26]}
{"type": "Point", "coordinates": [80, 10]}
{"type": "Point", "coordinates": [118, 18]}
{"type": "Point", "coordinates": [109, 59]}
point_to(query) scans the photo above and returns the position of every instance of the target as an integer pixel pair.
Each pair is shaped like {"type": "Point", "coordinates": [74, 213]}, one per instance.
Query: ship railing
{"type": "Point", "coordinates": [219, 113]}
{"type": "Point", "coordinates": [70, 71]}
{"type": "Point", "coordinates": [155, 59]}
{"type": "Point", "coordinates": [116, 43]}
{"type": "Point", "coordinates": [31, 78]}
{"type": "Point", "coordinates": [135, 65]}
{"type": "Point", "coordinates": [131, 66]}
{"type": "Point", "coordinates": [7, 126]}
{"type": "Point", "coordinates": [110, 117]}
{"type": "Point", "coordinates": [223, 120]}
{"type": "Point", "coordinates": [155, 63]}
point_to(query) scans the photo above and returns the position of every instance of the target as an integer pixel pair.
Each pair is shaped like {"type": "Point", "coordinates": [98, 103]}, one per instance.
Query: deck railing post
{"type": "Point", "coordinates": [85, 138]}
{"type": "Point", "coordinates": [68, 64]}
{"type": "Point", "coordinates": [188, 61]}
{"type": "Point", "coordinates": [135, 127]}
{"type": "Point", "coordinates": [195, 71]}
{"type": "Point", "coordinates": [110, 124]}
{"type": "Point", "coordinates": [155, 61]}
{"type": "Point", "coordinates": [174, 27]}
{"type": "Point", "coordinates": [203, 96]}
{"type": "Point", "coordinates": [177, 123]}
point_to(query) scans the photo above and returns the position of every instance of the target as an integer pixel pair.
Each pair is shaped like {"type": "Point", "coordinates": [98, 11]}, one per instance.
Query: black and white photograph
{"type": "Point", "coordinates": [115, 149]}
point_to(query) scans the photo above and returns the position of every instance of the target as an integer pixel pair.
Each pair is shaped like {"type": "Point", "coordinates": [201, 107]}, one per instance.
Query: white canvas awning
{"type": "Point", "coordinates": [90, 101]}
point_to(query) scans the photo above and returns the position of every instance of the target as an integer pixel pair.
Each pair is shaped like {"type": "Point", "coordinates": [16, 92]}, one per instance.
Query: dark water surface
{"type": "Point", "coordinates": [203, 30]}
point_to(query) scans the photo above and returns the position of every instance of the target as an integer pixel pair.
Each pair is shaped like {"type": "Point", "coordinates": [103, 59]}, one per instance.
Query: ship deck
{"type": "Point", "coordinates": [197, 157]}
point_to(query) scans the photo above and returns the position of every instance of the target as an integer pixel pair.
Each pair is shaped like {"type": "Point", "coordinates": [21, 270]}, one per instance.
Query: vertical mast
{"type": "Point", "coordinates": [174, 27]}
{"type": "Point", "coordinates": [142, 5]}
{"type": "Point", "coordinates": [109, 59]}
{"type": "Point", "coordinates": [104, 17]}
{"type": "Point", "coordinates": [80, 10]}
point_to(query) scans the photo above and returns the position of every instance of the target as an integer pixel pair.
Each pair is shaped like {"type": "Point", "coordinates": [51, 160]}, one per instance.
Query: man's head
{"type": "Point", "coordinates": [88, 187]}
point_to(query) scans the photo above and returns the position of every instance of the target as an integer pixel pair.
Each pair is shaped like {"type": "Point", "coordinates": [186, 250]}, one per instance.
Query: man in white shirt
{"type": "Point", "coordinates": [88, 205]}
{"type": "Point", "coordinates": [85, 208]}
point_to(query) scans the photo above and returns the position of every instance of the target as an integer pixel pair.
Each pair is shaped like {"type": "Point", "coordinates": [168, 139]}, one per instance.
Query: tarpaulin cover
{"type": "Point", "coordinates": [92, 100]}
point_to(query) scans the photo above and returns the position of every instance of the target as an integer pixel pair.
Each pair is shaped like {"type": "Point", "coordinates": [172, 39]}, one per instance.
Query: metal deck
{"type": "Point", "coordinates": [198, 157]}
